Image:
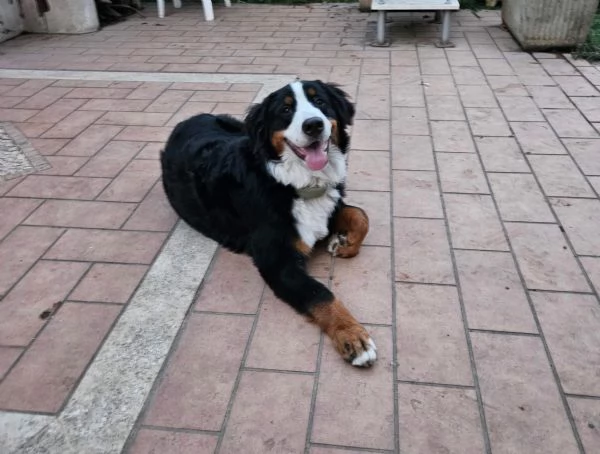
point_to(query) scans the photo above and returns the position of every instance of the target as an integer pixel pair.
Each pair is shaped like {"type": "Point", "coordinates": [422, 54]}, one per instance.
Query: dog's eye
{"type": "Point", "coordinates": [318, 101]}
{"type": "Point", "coordinates": [286, 109]}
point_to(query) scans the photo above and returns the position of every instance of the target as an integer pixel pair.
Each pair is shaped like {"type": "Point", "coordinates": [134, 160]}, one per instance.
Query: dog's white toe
{"type": "Point", "coordinates": [368, 357]}
{"type": "Point", "coordinates": [335, 242]}
{"type": "Point", "coordinates": [333, 245]}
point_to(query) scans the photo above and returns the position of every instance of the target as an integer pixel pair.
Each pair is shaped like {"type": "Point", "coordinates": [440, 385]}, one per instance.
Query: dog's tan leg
{"type": "Point", "coordinates": [351, 226]}
{"type": "Point", "coordinates": [349, 337]}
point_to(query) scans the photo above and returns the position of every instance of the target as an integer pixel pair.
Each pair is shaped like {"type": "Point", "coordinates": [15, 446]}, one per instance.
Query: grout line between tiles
{"type": "Point", "coordinates": [503, 251]}
{"type": "Point", "coordinates": [502, 333]}
{"type": "Point", "coordinates": [352, 448]}
{"type": "Point", "coordinates": [435, 385]}
{"type": "Point", "coordinates": [570, 292]}
{"type": "Point", "coordinates": [439, 284]}
{"type": "Point", "coordinates": [277, 371]}
{"type": "Point", "coordinates": [178, 429]}
{"type": "Point", "coordinates": [397, 422]}
{"type": "Point", "coordinates": [504, 172]}
{"type": "Point", "coordinates": [26, 412]}
{"type": "Point", "coordinates": [508, 221]}
{"type": "Point", "coordinates": [233, 314]}
{"type": "Point", "coordinates": [106, 262]}
{"type": "Point", "coordinates": [582, 396]}
{"type": "Point", "coordinates": [483, 194]}
{"type": "Point", "coordinates": [105, 229]}
{"type": "Point", "coordinates": [104, 303]}
{"type": "Point", "coordinates": [426, 218]}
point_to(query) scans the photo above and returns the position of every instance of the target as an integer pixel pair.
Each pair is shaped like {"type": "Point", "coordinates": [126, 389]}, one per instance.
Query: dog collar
{"type": "Point", "coordinates": [311, 192]}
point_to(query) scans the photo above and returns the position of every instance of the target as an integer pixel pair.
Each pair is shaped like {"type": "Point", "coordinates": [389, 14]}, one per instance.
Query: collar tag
{"type": "Point", "coordinates": [312, 192]}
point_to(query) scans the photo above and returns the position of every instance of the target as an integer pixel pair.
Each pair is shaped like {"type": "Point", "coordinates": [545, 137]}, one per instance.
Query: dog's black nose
{"type": "Point", "coordinates": [313, 127]}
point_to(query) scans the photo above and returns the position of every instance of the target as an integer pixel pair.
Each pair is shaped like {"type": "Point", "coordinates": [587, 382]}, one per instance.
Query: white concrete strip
{"type": "Point", "coordinates": [270, 82]}
{"type": "Point", "coordinates": [15, 428]}
{"type": "Point", "coordinates": [102, 411]}
{"type": "Point", "coordinates": [17, 155]}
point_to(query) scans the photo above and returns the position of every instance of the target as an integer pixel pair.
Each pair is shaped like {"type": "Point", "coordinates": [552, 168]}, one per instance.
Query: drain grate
{"type": "Point", "coordinates": [17, 155]}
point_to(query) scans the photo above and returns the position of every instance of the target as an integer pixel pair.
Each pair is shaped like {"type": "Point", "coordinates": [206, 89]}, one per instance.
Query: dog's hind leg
{"type": "Point", "coordinates": [282, 266]}
{"type": "Point", "coordinates": [350, 227]}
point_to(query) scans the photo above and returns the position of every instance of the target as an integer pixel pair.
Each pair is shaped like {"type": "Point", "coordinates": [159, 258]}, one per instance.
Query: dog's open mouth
{"type": "Point", "coordinates": [315, 155]}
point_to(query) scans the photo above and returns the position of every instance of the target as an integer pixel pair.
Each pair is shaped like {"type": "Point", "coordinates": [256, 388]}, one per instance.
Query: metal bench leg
{"type": "Point", "coordinates": [209, 14]}
{"type": "Point", "coordinates": [381, 27]}
{"type": "Point", "coordinates": [445, 42]}
{"type": "Point", "coordinates": [381, 39]}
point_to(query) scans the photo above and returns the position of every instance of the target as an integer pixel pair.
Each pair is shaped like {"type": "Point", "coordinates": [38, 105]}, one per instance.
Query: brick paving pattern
{"type": "Point", "coordinates": [479, 280]}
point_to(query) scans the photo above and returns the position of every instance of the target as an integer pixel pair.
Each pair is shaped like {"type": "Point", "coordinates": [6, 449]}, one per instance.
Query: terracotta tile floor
{"type": "Point", "coordinates": [479, 168]}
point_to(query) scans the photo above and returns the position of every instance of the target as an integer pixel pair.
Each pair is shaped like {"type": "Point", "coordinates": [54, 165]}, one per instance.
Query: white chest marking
{"type": "Point", "coordinates": [312, 216]}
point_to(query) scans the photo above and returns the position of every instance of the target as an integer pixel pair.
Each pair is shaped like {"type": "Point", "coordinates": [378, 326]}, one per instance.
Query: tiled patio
{"type": "Point", "coordinates": [479, 166]}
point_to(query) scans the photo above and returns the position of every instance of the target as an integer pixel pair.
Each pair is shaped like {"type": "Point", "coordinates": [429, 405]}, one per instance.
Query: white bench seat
{"type": "Point", "coordinates": [440, 6]}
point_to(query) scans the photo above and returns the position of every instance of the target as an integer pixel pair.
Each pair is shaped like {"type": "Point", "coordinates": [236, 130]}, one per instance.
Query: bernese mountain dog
{"type": "Point", "coordinates": [271, 187]}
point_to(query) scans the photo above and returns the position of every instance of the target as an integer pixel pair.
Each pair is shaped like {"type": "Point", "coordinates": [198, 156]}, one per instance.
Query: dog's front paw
{"type": "Point", "coordinates": [355, 345]}
{"type": "Point", "coordinates": [337, 241]}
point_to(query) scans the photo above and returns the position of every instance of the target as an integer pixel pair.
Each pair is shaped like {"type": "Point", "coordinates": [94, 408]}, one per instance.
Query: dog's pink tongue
{"type": "Point", "coordinates": [316, 157]}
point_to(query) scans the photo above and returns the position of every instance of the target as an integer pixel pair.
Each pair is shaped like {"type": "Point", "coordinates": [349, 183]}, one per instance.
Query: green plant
{"type": "Point", "coordinates": [474, 5]}
{"type": "Point", "coordinates": [590, 50]}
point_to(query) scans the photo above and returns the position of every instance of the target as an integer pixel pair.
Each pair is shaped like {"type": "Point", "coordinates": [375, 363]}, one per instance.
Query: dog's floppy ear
{"type": "Point", "coordinates": [255, 122]}
{"type": "Point", "coordinates": [344, 109]}
{"type": "Point", "coordinates": [256, 125]}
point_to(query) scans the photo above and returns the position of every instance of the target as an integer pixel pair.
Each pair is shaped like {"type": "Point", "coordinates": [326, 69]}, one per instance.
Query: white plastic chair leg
{"type": "Point", "coordinates": [160, 4]}
{"type": "Point", "coordinates": [177, 3]}
{"type": "Point", "coordinates": [227, 3]}
{"type": "Point", "coordinates": [209, 15]}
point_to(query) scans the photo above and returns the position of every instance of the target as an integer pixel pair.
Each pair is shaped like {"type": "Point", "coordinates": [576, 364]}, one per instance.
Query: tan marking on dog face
{"type": "Point", "coordinates": [278, 141]}
{"type": "Point", "coordinates": [334, 131]}
{"type": "Point", "coordinates": [311, 91]}
{"type": "Point", "coordinates": [288, 100]}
